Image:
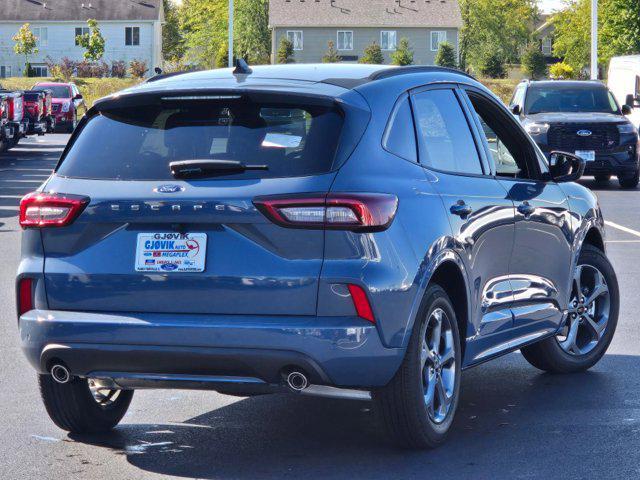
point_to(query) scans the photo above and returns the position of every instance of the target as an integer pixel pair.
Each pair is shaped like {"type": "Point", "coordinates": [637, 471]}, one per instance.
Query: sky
{"type": "Point", "coordinates": [550, 5]}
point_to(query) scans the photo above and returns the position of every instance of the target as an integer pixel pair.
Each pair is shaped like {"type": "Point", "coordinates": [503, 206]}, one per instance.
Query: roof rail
{"type": "Point", "coordinates": [162, 76]}
{"type": "Point", "coordinates": [392, 72]}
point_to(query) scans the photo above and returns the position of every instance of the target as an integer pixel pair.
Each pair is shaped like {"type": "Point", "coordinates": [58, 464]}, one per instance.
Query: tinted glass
{"type": "Point", "coordinates": [400, 137]}
{"type": "Point", "coordinates": [569, 98]}
{"type": "Point", "coordinates": [445, 140]}
{"type": "Point", "coordinates": [139, 143]}
{"type": "Point", "coordinates": [58, 91]}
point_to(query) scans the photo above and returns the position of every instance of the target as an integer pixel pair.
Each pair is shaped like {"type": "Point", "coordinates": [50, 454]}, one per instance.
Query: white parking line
{"type": "Point", "coordinates": [622, 241]}
{"type": "Point", "coordinates": [622, 228]}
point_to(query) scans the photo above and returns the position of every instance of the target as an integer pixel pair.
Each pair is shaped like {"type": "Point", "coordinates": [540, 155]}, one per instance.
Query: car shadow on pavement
{"type": "Point", "coordinates": [513, 421]}
{"type": "Point", "coordinates": [611, 185]}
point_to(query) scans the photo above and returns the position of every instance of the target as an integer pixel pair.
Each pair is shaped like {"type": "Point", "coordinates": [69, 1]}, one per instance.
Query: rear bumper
{"type": "Point", "coordinates": [337, 351]}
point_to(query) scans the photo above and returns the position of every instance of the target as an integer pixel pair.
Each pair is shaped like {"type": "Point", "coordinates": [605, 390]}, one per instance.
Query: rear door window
{"type": "Point", "coordinates": [400, 137]}
{"type": "Point", "coordinates": [139, 143]}
{"type": "Point", "coordinates": [444, 136]}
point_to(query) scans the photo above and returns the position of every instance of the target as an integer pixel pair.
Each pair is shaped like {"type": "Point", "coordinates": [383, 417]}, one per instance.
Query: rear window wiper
{"type": "Point", "coordinates": [210, 168]}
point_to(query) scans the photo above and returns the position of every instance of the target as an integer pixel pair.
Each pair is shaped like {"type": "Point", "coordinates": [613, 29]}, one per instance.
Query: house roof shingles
{"type": "Point", "coordinates": [365, 13]}
{"type": "Point", "coordinates": [74, 10]}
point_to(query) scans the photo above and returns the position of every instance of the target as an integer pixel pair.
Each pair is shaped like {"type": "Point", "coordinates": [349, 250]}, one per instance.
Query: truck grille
{"type": "Point", "coordinates": [565, 137]}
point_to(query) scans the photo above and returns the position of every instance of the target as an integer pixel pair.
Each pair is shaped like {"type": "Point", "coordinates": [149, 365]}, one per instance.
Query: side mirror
{"type": "Point", "coordinates": [565, 167]}
{"type": "Point", "coordinates": [627, 110]}
{"type": "Point", "coordinates": [78, 97]}
{"type": "Point", "coordinates": [515, 109]}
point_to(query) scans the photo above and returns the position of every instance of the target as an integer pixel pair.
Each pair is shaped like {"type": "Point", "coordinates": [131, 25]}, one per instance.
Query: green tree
{"type": "Point", "coordinates": [252, 37]}
{"type": "Point", "coordinates": [446, 56]}
{"type": "Point", "coordinates": [92, 42]}
{"type": "Point", "coordinates": [204, 26]}
{"type": "Point", "coordinates": [534, 65]}
{"type": "Point", "coordinates": [172, 40]}
{"type": "Point", "coordinates": [285, 51]}
{"type": "Point", "coordinates": [495, 28]}
{"type": "Point", "coordinates": [372, 54]}
{"type": "Point", "coordinates": [619, 27]}
{"type": "Point", "coordinates": [561, 71]}
{"type": "Point", "coordinates": [222, 57]}
{"type": "Point", "coordinates": [493, 67]}
{"type": "Point", "coordinates": [404, 53]}
{"type": "Point", "coordinates": [332, 54]}
{"type": "Point", "coordinates": [26, 44]}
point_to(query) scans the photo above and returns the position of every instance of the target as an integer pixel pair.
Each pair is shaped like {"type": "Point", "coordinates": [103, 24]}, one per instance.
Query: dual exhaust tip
{"type": "Point", "coordinates": [297, 381]}
{"type": "Point", "coordinates": [60, 373]}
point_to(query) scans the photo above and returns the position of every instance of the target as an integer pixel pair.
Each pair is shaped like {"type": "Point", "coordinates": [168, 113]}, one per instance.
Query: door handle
{"type": "Point", "coordinates": [526, 209]}
{"type": "Point", "coordinates": [461, 209]}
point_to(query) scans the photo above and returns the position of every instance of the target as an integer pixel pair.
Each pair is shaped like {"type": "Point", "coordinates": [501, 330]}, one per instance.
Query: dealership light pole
{"type": "Point", "coordinates": [231, 33]}
{"type": "Point", "coordinates": [594, 39]}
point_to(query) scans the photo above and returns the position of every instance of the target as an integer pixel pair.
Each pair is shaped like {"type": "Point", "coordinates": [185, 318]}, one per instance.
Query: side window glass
{"type": "Point", "coordinates": [444, 137]}
{"type": "Point", "coordinates": [400, 137]}
{"type": "Point", "coordinates": [510, 151]}
{"type": "Point", "coordinates": [518, 97]}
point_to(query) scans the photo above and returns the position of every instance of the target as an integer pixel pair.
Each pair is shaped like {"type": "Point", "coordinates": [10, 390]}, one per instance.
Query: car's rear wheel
{"type": "Point", "coordinates": [83, 405]}
{"type": "Point", "coordinates": [419, 404]}
{"type": "Point", "coordinates": [630, 181]}
{"type": "Point", "coordinates": [602, 178]}
{"type": "Point", "coordinates": [74, 123]}
{"type": "Point", "coordinates": [591, 320]}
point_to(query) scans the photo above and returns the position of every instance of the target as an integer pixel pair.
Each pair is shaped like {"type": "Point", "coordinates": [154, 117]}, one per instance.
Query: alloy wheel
{"type": "Point", "coordinates": [438, 362]}
{"type": "Point", "coordinates": [587, 313]}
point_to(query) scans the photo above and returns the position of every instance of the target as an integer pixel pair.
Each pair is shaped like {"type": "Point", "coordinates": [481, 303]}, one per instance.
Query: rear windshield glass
{"type": "Point", "coordinates": [569, 98]}
{"type": "Point", "coordinates": [140, 143]}
{"type": "Point", "coordinates": [57, 91]}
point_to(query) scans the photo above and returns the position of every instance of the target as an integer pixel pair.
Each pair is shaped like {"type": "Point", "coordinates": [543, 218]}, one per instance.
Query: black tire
{"type": "Point", "coordinates": [630, 181]}
{"type": "Point", "coordinates": [71, 127]}
{"type": "Point", "coordinates": [73, 408]}
{"type": "Point", "coordinates": [602, 177]}
{"type": "Point", "coordinates": [402, 403]}
{"type": "Point", "coordinates": [549, 356]}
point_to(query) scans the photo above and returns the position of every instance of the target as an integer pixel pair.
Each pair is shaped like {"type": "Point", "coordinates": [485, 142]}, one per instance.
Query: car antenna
{"type": "Point", "coordinates": [242, 67]}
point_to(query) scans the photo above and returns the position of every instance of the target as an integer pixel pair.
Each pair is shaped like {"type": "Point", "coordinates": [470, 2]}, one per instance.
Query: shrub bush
{"type": "Point", "coordinates": [561, 71]}
{"type": "Point", "coordinates": [138, 68]}
{"type": "Point", "coordinates": [372, 54]}
{"type": "Point", "coordinates": [534, 64]}
{"type": "Point", "coordinates": [285, 51]}
{"type": "Point", "coordinates": [446, 56]}
{"type": "Point", "coordinates": [493, 66]}
{"type": "Point", "coordinates": [403, 55]}
{"type": "Point", "coordinates": [118, 69]}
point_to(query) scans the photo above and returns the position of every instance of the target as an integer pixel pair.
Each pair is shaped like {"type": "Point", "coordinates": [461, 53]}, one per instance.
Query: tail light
{"type": "Point", "coordinates": [50, 209]}
{"type": "Point", "coordinates": [361, 302]}
{"type": "Point", "coordinates": [362, 212]}
{"type": "Point", "coordinates": [25, 295]}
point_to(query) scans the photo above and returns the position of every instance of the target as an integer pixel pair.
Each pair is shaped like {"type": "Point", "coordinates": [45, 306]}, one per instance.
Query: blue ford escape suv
{"type": "Point", "coordinates": [339, 230]}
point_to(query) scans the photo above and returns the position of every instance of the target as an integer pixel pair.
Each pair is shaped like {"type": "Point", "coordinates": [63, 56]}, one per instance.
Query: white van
{"type": "Point", "coordinates": [624, 83]}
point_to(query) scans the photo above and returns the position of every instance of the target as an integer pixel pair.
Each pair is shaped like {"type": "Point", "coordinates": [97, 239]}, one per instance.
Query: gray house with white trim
{"type": "Point", "coordinates": [132, 30]}
{"type": "Point", "coordinates": [354, 24]}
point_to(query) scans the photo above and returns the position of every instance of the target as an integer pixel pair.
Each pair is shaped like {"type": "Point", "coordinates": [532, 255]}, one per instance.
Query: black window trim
{"type": "Point", "coordinates": [484, 165]}
{"type": "Point", "coordinates": [392, 116]}
{"type": "Point", "coordinates": [532, 157]}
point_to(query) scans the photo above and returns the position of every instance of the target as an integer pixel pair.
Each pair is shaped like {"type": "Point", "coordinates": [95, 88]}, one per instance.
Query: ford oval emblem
{"type": "Point", "coordinates": [169, 189]}
{"type": "Point", "coordinates": [585, 133]}
{"type": "Point", "coordinates": [169, 267]}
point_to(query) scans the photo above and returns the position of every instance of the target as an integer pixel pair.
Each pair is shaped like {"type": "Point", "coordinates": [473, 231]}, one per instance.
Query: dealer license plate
{"type": "Point", "coordinates": [171, 252]}
{"type": "Point", "coordinates": [586, 155]}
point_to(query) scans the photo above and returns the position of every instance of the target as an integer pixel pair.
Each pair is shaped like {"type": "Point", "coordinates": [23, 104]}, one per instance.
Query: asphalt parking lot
{"type": "Point", "coordinates": [513, 421]}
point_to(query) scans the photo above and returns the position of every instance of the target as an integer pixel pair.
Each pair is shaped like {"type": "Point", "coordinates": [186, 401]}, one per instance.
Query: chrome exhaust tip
{"type": "Point", "coordinates": [297, 381]}
{"type": "Point", "coordinates": [60, 373]}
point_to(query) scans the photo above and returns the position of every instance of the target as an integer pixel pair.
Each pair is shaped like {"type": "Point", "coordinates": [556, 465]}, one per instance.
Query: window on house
{"type": "Point", "coordinates": [388, 40]}
{"type": "Point", "coordinates": [40, 71]}
{"type": "Point", "coordinates": [547, 45]}
{"type": "Point", "coordinates": [436, 39]}
{"type": "Point", "coordinates": [132, 36]}
{"type": "Point", "coordinates": [42, 36]}
{"type": "Point", "coordinates": [79, 32]}
{"type": "Point", "coordinates": [5, 71]}
{"type": "Point", "coordinates": [296, 37]}
{"type": "Point", "coordinates": [345, 40]}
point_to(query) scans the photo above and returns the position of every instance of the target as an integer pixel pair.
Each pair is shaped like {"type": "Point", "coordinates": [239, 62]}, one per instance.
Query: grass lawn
{"type": "Point", "coordinates": [502, 87]}
{"type": "Point", "coordinates": [91, 88]}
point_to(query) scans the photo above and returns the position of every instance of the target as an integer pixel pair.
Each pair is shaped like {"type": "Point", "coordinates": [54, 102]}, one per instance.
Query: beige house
{"type": "Point", "coordinates": [354, 24]}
